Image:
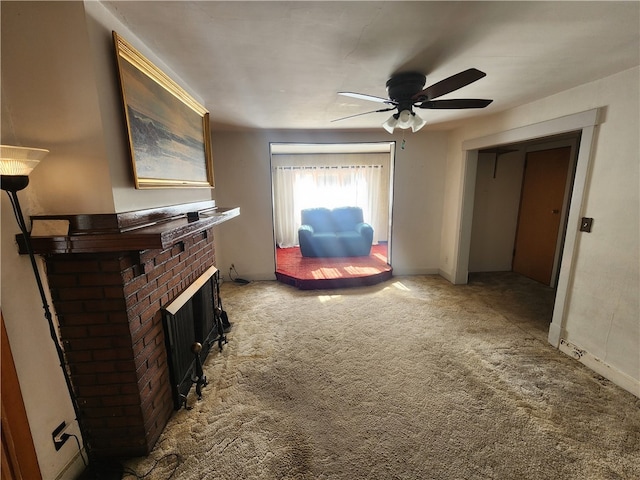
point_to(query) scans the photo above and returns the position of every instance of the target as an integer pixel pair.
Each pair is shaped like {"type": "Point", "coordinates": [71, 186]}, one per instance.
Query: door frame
{"type": "Point", "coordinates": [19, 458]}
{"type": "Point", "coordinates": [585, 123]}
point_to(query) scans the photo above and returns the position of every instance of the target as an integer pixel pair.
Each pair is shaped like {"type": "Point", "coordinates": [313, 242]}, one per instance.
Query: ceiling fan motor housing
{"type": "Point", "coordinates": [403, 86]}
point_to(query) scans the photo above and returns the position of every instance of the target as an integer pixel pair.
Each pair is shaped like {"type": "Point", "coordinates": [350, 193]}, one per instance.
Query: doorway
{"type": "Point", "coordinates": [520, 207]}
{"type": "Point", "coordinates": [582, 124]}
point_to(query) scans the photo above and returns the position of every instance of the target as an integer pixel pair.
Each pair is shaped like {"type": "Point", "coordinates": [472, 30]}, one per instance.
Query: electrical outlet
{"type": "Point", "coordinates": [59, 436]}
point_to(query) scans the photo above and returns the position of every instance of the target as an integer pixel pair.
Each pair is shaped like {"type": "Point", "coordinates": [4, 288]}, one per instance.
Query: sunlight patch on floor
{"type": "Point", "coordinates": [328, 298]}
{"type": "Point", "coordinates": [352, 270]}
{"type": "Point", "coordinates": [326, 273]}
{"type": "Point", "coordinates": [401, 286]}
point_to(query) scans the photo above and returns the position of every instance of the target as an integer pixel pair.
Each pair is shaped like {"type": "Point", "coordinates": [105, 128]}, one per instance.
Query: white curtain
{"type": "Point", "coordinates": [330, 186]}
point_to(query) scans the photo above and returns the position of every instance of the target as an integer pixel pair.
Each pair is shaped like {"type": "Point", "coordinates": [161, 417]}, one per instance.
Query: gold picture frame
{"type": "Point", "coordinates": [168, 130]}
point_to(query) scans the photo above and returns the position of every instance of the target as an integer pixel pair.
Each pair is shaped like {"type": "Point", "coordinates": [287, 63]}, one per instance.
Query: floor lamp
{"type": "Point", "coordinates": [16, 163]}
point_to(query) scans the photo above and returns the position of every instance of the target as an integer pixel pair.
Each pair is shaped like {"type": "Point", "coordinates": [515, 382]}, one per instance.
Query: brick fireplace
{"type": "Point", "coordinates": [109, 279]}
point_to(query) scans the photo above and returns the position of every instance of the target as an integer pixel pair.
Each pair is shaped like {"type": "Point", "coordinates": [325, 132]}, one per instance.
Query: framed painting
{"type": "Point", "coordinates": [168, 129]}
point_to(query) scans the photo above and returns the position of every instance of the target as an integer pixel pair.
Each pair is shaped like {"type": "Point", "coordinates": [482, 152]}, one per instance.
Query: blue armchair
{"type": "Point", "coordinates": [340, 232]}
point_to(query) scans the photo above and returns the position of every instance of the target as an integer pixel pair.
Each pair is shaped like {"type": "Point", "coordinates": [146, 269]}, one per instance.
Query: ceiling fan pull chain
{"type": "Point", "coordinates": [403, 142]}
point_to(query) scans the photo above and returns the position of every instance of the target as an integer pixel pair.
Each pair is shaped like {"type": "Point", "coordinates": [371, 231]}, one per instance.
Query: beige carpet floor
{"type": "Point", "coordinates": [410, 379]}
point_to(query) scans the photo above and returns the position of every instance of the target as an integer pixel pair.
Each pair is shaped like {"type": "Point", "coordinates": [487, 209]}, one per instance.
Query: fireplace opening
{"type": "Point", "coordinates": [193, 323]}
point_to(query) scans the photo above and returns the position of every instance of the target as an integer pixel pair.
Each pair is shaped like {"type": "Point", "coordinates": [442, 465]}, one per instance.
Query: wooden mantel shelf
{"type": "Point", "coordinates": [157, 228]}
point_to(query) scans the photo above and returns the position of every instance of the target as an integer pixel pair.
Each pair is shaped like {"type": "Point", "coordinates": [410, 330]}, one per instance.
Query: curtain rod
{"type": "Point", "coordinates": [326, 167]}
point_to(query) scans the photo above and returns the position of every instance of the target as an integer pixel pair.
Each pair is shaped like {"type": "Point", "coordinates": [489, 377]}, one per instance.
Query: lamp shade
{"type": "Point", "coordinates": [19, 160]}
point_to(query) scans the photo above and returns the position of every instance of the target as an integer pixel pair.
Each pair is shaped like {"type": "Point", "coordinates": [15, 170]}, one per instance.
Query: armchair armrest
{"type": "Point", "coordinates": [306, 230]}
{"type": "Point", "coordinates": [305, 239]}
{"type": "Point", "coordinates": [366, 231]}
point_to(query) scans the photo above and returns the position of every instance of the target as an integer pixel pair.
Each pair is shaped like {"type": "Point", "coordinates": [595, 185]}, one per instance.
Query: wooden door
{"type": "Point", "coordinates": [19, 459]}
{"type": "Point", "coordinates": [542, 197]}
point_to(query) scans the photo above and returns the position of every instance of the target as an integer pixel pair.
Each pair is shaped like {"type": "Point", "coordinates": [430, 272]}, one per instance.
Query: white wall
{"type": "Point", "coordinates": [49, 100]}
{"type": "Point", "coordinates": [101, 23]}
{"type": "Point", "coordinates": [604, 315]}
{"type": "Point", "coordinates": [495, 212]}
{"type": "Point", "coordinates": [60, 92]}
{"type": "Point", "coordinates": [602, 312]}
{"type": "Point", "coordinates": [45, 395]}
{"type": "Point", "coordinates": [242, 165]}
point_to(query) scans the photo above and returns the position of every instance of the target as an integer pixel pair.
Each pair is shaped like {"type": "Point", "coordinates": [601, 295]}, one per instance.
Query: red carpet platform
{"type": "Point", "coordinates": [308, 273]}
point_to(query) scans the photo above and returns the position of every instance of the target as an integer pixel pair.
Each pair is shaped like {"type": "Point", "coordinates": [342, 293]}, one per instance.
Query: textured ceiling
{"type": "Point", "coordinates": [278, 65]}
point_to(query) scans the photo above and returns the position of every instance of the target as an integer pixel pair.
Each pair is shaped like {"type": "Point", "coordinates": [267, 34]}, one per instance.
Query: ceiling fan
{"type": "Point", "coordinates": [406, 90]}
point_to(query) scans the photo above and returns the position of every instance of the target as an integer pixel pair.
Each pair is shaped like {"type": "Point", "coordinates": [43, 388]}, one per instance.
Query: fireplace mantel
{"type": "Point", "coordinates": [157, 228]}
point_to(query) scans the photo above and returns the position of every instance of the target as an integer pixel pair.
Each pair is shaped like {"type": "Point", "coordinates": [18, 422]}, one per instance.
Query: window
{"type": "Point", "coordinates": [330, 179]}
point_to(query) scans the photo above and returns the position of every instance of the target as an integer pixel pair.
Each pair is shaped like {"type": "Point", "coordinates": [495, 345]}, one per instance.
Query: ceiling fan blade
{"type": "Point", "coordinates": [449, 84]}
{"type": "Point", "coordinates": [364, 113]}
{"type": "Point", "coordinates": [455, 103]}
{"type": "Point", "coordinates": [370, 98]}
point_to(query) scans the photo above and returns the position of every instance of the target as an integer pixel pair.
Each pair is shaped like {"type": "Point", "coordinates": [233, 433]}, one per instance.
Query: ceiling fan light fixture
{"type": "Point", "coordinates": [417, 123]}
{"type": "Point", "coordinates": [391, 123]}
{"type": "Point", "coordinates": [405, 119]}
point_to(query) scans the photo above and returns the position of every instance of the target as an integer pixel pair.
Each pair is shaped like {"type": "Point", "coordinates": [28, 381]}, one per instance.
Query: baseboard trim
{"type": "Point", "coordinates": [555, 335]}
{"type": "Point", "coordinates": [74, 468]}
{"type": "Point", "coordinates": [621, 379]}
